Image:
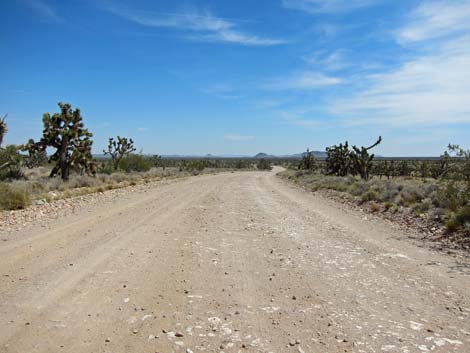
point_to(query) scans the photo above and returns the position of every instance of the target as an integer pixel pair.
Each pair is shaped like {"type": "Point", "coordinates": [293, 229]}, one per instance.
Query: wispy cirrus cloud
{"type": "Point", "coordinates": [431, 89]}
{"type": "Point", "coordinates": [43, 9]}
{"type": "Point", "coordinates": [238, 138]}
{"type": "Point", "coordinates": [436, 19]}
{"type": "Point", "coordinates": [331, 61]}
{"type": "Point", "coordinates": [305, 80]}
{"type": "Point", "coordinates": [199, 26]}
{"type": "Point", "coordinates": [327, 6]}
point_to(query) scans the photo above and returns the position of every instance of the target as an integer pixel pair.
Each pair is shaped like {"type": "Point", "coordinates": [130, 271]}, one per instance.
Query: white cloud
{"type": "Point", "coordinates": [327, 6]}
{"type": "Point", "coordinates": [222, 91]}
{"type": "Point", "coordinates": [43, 9]}
{"type": "Point", "coordinates": [305, 80]}
{"type": "Point", "coordinates": [238, 138]}
{"type": "Point", "coordinates": [331, 61]}
{"type": "Point", "coordinates": [430, 89]}
{"type": "Point", "coordinates": [436, 19]}
{"type": "Point", "coordinates": [203, 26]}
{"type": "Point", "coordinates": [142, 129]}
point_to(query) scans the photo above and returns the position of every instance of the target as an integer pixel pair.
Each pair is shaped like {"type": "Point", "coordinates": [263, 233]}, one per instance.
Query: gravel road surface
{"type": "Point", "coordinates": [233, 262]}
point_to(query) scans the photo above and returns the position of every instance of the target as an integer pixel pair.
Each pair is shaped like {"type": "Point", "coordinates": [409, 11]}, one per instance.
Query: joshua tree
{"type": "Point", "coordinates": [66, 133]}
{"type": "Point", "coordinates": [308, 162]}
{"type": "Point", "coordinates": [118, 149]}
{"type": "Point", "coordinates": [463, 157]}
{"type": "Point", "coordinates": [338, 159]}
{"type": "Point", "coordinates": [158, 161]}
{"type": "Point", "coordinates": [3, 129]}
{"type": "Point", "coordinates": [362, 160]}
{"type": "Point", "coordinates": [37, 156]}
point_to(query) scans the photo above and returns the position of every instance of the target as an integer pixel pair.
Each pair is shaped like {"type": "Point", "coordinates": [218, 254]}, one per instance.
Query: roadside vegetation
{"type": "Point", "coordinates": [437, 190]}
{"type": "Point", "coordinates": [60, 164]}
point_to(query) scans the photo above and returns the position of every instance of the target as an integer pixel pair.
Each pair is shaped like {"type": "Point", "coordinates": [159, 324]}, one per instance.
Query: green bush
{"type": "Point", "coordinates": [452, 224]}
{"type": "Point", "coordinates": [136, 163]}
{"type": "Point", "coordinates": [13, 198]}
{"type": "Point", "coordinates": [463, 216]}
{"type": "Point", "coordinates": [370, 195]}
{"type": "Point", "coordinates": [263, 164]}
{"type": "Point", "coordinates": [422, 207]}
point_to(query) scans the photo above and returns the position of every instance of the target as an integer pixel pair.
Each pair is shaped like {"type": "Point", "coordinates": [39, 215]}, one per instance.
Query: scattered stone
{"type": "Point", "coordinates": [178, 334]}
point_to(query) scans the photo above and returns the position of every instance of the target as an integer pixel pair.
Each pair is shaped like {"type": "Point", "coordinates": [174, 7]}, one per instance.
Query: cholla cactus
{"type": "Point", "coordinates": [338, 159]}
{"type": "Point", "coordinates": [3, 129]}
{"type": "Point", "coordinates": [66, 133]}
{"type": "Point", "coordinates": [362, 160]}
{"type": "Point", "coordinates": [118, 149]}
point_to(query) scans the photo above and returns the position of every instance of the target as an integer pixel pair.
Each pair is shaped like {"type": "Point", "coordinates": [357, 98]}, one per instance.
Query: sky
{"type": "Point", "coordinates": [240, 77]}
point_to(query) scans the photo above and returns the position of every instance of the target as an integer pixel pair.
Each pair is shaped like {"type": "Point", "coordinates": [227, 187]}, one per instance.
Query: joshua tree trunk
{"type": "Point", "coordinates": [63, 163]}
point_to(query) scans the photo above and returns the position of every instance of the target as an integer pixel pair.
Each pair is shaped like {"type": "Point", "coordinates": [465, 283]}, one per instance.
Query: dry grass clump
{"type": "Point", "coordinates": [13, 197]}
{"type": "Point", "coordinates": [37, 185]}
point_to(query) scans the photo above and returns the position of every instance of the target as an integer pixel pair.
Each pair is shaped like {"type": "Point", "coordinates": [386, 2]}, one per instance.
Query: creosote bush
{"type": "Point", "coordinates": [264, 164]}
{"type": "Point", "coordinates": [136, 163]}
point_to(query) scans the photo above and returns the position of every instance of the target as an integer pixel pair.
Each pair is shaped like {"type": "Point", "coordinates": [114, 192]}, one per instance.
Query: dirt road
{"type": "Point", "coordinates": [235, 262]}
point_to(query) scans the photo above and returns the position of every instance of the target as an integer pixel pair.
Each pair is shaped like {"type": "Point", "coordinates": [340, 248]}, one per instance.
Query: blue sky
{"type": "Point", "coordinates": [241, 77]}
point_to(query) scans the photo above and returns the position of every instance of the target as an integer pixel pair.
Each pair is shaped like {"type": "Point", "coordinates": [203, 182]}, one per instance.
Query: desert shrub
{"type": "Point", "coordinates": [388, 193]}
{"type": "Point", "coordinates": [459, 220]}
{"type": "Point", "coordinates": [359, 188]}
{"type": "Point", "coordinates": [119, 177]}
{"type": "Point", "coordinates": [375, 207]}
{"type": "Point", "coordinates": [410, 195]}
{"type": "Point", "coordinates": [196, 165]}
{"type": "Point", "coordinates": [55, 183]}
{"type": "Point", "coordinates": [422, 207]}
{"type": "Point", "coordinates": [302, 172]}
{"type": "Point", "coordinates": [82, 181]}
{"type": "Point", "coordinates": [105, 168]}
{"type": "Point", "coordinates": [462, 217]}
{"type": "Point", "coordinates": [264, 164]}
{"type": "Point", "coordinates": [136, 163]}
{"type": "Point", "coordinates": [13, 197]}
{"type": "Point", "coordinates": [370, 195]}
{"type": "Point", "coordinates": [452, 225]}
{"type": "Point", "coordinates": [241, 164]}
{"type": "Point", "coordinates": [451, 196]}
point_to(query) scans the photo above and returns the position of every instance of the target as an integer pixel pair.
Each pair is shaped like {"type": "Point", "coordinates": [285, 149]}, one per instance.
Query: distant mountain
{"type": "Point", "coordinates": [316, 154]}
{"type": "Point", "coordinates": [263, 155]}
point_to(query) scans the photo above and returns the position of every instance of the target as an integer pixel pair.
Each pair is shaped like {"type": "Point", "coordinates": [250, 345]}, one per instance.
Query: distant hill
{"type": "Point", "coordinates": [317, 154]}
{"type": "Point", "coordinates": [263, 155]}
